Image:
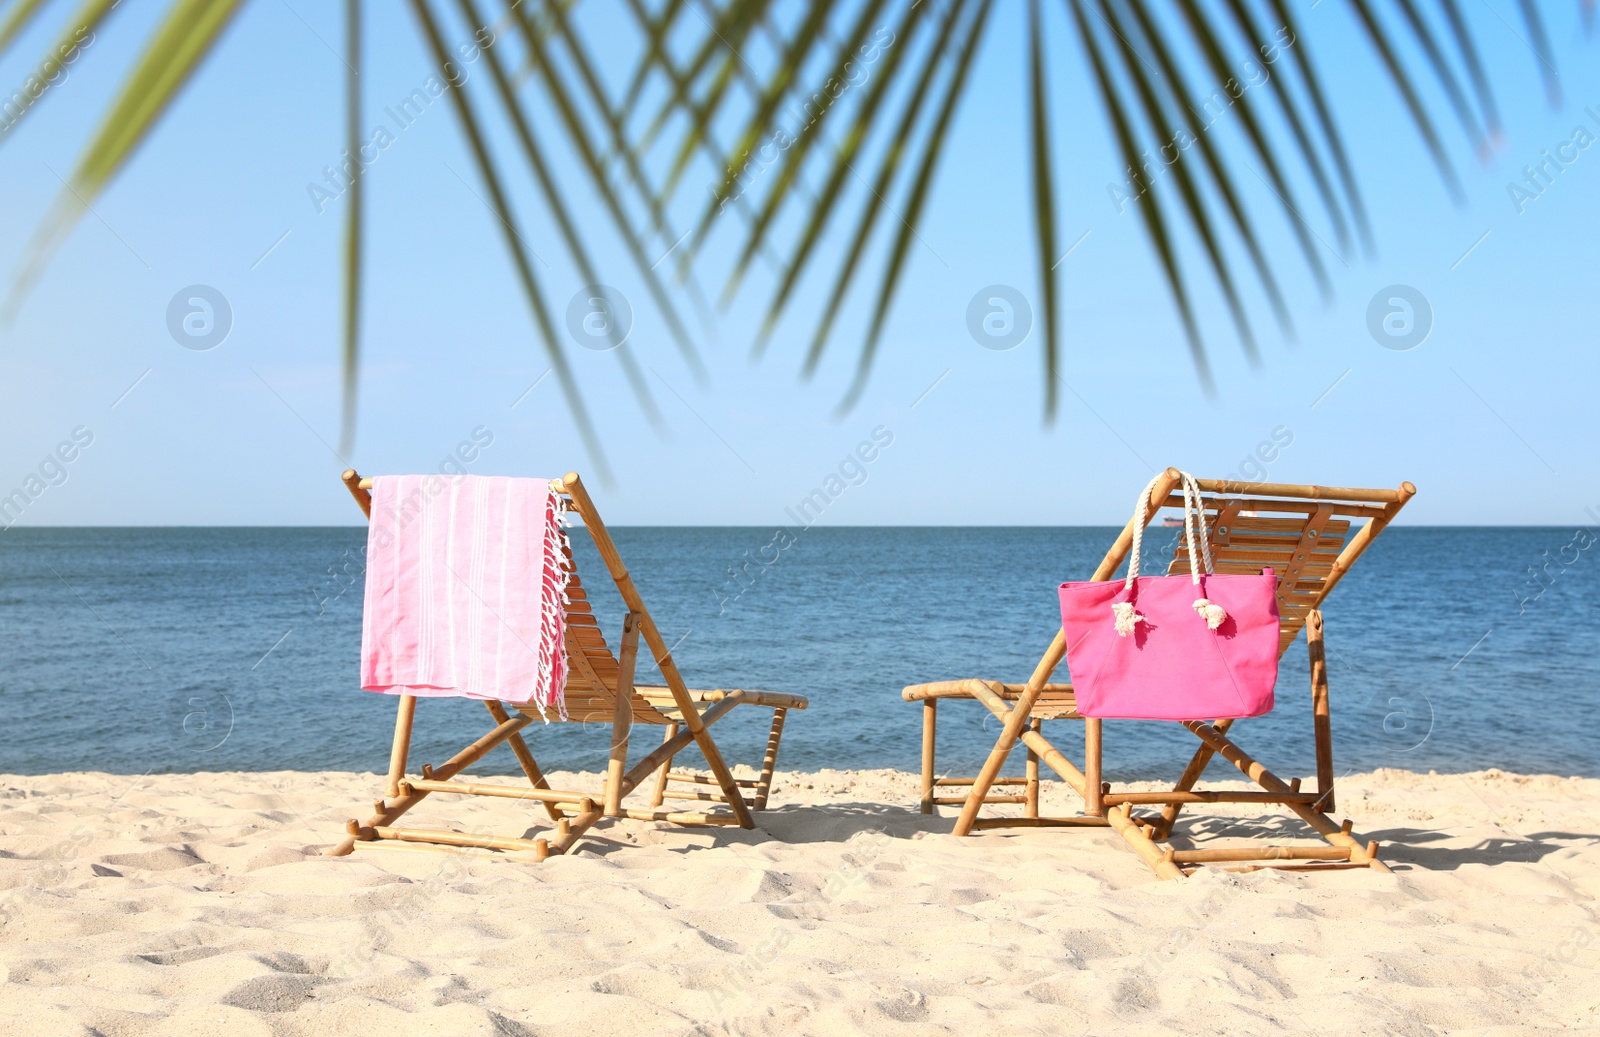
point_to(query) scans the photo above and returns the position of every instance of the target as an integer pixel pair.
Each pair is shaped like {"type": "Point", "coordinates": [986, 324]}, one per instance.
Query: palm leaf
{"type": "Point", "coordinates": [17, 21]}
{"type": "Point", "coordinates": [731, 29]}
{"type": "Point", "coordinates": [1194, 208]}
{"type": "Point", "coordinates": [847, 152]}
{"type": "Point", "coordinates": [1541, 50]}
{"type": "Point", "coordinates": [789, 175]}
{"type": "Point", "coordinates": [1150, 214]}
{"type": "Point", "coordinates": [612, 117]}
{"type": "Point", "coordinates": [1300, 55]}
{"type": "Point", "coordinates": [181, 42]}
{"type": "Point", "coordinates": [352, 227]}
{"type": "Point", "coordinates": [1178, 89]}
{"type": "Point", "coordinates": [1211, 48]}
{"type": "Point", "coordinates": [577, 135]}
{"type": "Point", "coordinates": [1441, 69]}
{"type": "Point", "coordinates": [1044, 204]}
{"type": "Point", "coordinates": [1469, 56]}
{"type": "Point", "coordinates": [513, 241]}
{"type": "Point", "coordinates": [1252, 30]}
{"type": "Point", "coordinates": [1408, 92]}
{"type": "Point", "coordinates": [899, 139]}
{"type": "Point", "coordinates": [1138, 103]}
{"type": "Point", "coordinates": [555, 203]}
{"type": "Point", "coordinates": [86, 20]}
{"type": "Point", "coordinates": [772, 92]}
{"type": "Point", "coordinates": [914, 204]}
{"type": "Point", "coordinates": [655, 30]}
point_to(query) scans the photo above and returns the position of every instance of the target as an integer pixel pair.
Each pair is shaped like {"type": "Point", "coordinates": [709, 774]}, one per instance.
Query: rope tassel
{"type": "Point", "coordinates": [1126, 617]}
{"type": "Point", "coordinates": [1200, 561]}
{"type": "Point", "coordinates": [1212, 612]}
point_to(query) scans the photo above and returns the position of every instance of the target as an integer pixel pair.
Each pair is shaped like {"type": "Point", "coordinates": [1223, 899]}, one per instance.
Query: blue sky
{"type": "Point", "coordinates": [1490, 416]}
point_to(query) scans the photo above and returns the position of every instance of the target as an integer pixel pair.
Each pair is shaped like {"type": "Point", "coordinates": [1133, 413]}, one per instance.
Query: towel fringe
{"type": "Point", "coordinates": [552, 647]}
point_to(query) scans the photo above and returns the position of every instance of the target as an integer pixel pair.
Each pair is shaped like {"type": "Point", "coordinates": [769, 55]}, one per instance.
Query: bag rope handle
{"type": "Point", "coordinates": [1124, 614]}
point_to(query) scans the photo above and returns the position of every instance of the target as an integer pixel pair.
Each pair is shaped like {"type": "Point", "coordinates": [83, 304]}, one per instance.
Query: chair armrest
{"type": "Point", "coordinates": [957, 690]}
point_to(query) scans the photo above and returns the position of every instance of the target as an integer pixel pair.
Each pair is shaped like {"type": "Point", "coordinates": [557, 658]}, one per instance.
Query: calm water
{"type": "Point", "coordinates": [219, 649]}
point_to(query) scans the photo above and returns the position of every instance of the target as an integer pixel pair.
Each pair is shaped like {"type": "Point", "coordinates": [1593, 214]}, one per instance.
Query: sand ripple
{"type": "Point", "coordinates": [196, 904]}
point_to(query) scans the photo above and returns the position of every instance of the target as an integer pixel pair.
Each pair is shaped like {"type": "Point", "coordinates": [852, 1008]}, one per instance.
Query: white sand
{"type": "Point", "coordinates": [188, 904]}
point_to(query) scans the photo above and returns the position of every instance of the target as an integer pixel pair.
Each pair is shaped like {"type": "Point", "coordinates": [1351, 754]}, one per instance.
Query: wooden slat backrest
{"type": "Point", "coordinates": [1309, 536]}
{"type": "Point", "coordinates": [1380, 506]}
{"type": "Point", "coordinates": [576, 497]}
{"type": "Point", "coordinates": [592, 669]}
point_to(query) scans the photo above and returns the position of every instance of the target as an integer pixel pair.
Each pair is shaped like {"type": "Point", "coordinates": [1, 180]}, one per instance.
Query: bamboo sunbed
{"type": "Point", "coordinates": [1310, 536]}
{"type": "Point", "coordinates": [597, 680]}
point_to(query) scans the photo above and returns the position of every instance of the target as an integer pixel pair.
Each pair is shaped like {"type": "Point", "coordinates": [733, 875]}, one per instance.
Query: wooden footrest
{"type": "Point", "coordinates": [681, 817]}
{"type": "Point", "coordinates": [956, 800]}
{"type": "Point", "coordinates": [1324, 866]}
{"type": "Point", "coordinates": [1040, 822]}
{"type": "Point", "coordinates": [702, 797]}
{"type": "Point", "coordinates": [1356, 856]}
{"type": "Point", "coordinates": [1262, 853]}
{"type": "Point", "coordinates": [538, 847]}
{"type": "Point", "coordinates": [573, 800]}
{"type": "Point", "coordinates": [971, 781]}
{"type": "Point", "coordinates": [1112, 799]}
{"type": "Point", "coordinates": [700, 779]}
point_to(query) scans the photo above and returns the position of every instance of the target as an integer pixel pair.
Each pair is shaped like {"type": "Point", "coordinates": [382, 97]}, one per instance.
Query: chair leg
{"type": "Point", "coordinates": [622, 715]}
{"type": "Point", "coordinates": [930, 717]}
{"type": "Point", "coordinates": [1092, 755]}
{"type": "Point", "coordinates": [404, 716]}
{"type": "Point", "coordinates": [769, 759]}
{"type": "Point", "coordinates": [570, 829]}
{"type": "Point", "coordinates": [1032, 788]}
{"type": "Point", "coordinates": [761, 787]}
{"type": "Point", "coordinates": [1253, 769]}
{"type": "Point", "coordinates": [519, 748]}
{"type": "Point", "coordinates": [660, 794]}
{"type": "Point", "coordinates": [1003, 745]}
{"type": "Point", "coordinates": [1191, 774]}
{"type": "Point", "coordinates": [387, 811]}
{"type": "Point", "coordinates": [1138, 840]}
{"type": "Point", "coordinates": [1321, 718]}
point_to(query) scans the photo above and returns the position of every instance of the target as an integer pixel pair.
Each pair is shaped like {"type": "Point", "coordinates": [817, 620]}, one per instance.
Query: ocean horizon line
{"type": "Point", "coordinates": [1396, 525]}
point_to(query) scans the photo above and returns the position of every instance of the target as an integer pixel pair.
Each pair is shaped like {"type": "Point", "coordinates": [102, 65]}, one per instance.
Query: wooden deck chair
{"type": "Point", "coordinates": [1305, 534]}
{"type": "Point", "coordinates": [597, 682]}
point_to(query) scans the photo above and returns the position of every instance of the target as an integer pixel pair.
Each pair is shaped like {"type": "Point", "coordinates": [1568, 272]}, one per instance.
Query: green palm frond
{"type": "Point", "coordinates": [788, 177]}
{"type": "Point", "coordinates": [352, 226]}
{"type": "Point", "coordinates": [17, 21]}
{"type": "Point", "coordinates": [849, 149]}
{"type": "Point", "coordinates": [917, 200]}
{"type": "Point", "coordinates": [556, 203]}
{"type": "Point", "coordinates": [1239, 219]}
{"type": "Point", "coordinates": [1044, 197]}
{"type": "Point", "coordinates": [75, 35]}
{"type": "Point", "coordinates": [1408, 91]}
{"type": "Point", "coordinates": [516, 243]}
{"type": "Point", "coordinates": [1154, 222]}
{"type": "Point", "coordinates": [889, 168]}
{"type": "Point", "coordinates": [1157, 115]}
{"type": "Point", "coordinates": [1155, 71]}
{"type": "Point", "coordinates": [181, 42]}
{"type": "Point", "coordinates": [1300, 57]}
{"type": "Point", "coordinates": [578, 135]}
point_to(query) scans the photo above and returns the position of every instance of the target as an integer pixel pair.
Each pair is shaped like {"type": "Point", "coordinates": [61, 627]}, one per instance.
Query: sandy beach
{"type": "Point", "coordinates": [194, 904]}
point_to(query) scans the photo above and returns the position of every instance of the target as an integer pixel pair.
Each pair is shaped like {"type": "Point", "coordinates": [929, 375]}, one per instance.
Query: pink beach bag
{"type": "Point", "coordinates": [1185, 647]}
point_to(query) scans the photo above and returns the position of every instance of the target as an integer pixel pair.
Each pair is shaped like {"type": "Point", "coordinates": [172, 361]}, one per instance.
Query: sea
{"type": "Point", "coordinates": [176, 649]}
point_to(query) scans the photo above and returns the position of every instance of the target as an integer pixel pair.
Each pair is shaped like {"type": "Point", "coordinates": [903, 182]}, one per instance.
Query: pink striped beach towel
{"type": "Point", "coordinates": [466, 578]}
